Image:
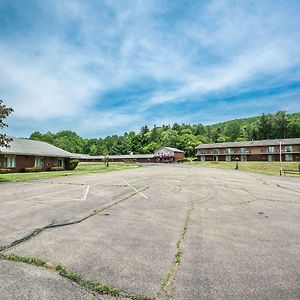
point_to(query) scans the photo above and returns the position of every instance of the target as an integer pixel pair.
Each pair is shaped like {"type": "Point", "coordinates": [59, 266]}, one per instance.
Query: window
{"type": "Point", "coordinates": [228, 157]}
{"type": "Point", "coordinates": [39, 162]}
{"type": "Point", "coordinates": [288, 149]}
{"type": "Point", "coordinates": [216, 151]}
{"type": "Point", "coordinates": [10, 161]}
{"type": "Point", "coordinates": [243, 157]}
{"type": "Point", "coordinates": [202, 158]}
{"type": "Point", "coordinates": [288, 157]}
{"type": "Point", "coordinates": [271, 149]}
{"type": "Point", "coordinates": [271, 157]}
{"type": "Point", "coordinates": [61, 162]}
{"type": "Point", "coordinates": [228, 151]}
{"type": "Point", "coordinates": [202, 151]}
{"type": "Point", "coordinates": [244, 150]}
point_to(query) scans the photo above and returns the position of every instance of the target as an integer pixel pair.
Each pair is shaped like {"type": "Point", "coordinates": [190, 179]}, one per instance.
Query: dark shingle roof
{"type": "Point", "coordinates": [22, 146]}
{"type": "Point", "coordinates": [295, 141]}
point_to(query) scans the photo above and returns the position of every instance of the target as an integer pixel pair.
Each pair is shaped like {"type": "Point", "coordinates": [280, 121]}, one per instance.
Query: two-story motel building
{"type": "Point", "coordinates": [264, 150]}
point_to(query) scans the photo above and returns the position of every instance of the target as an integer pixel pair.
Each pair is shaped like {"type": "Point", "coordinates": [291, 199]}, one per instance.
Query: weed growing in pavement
{"type": "Point", "coordinates": [95, 286]}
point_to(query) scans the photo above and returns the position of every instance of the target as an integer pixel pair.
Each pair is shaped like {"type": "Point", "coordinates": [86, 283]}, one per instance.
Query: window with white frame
{"type": "Point", "coordinates": [39, 162]}
{"type": "Point", "coordinates": [228, 150]}
{"type": "Point", "coordinates": [10, 161]}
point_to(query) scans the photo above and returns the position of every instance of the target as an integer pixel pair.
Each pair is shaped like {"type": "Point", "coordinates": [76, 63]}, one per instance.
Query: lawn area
{"type": "Point", "coordinates": [82, 168]}
{"type": "Point", "coordinates": [269, 168]}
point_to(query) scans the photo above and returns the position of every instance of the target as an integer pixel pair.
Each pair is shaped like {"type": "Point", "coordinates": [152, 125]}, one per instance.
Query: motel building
{"type": "Point", "coordinates": [24, 153]}
{"type": "Point", "coordinates": [264, 150]}
{"type": "Point", "coordinates": [168, 155]}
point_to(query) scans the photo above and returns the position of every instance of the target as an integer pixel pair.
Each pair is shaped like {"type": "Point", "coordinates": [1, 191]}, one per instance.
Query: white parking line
{"type": "Point", "coordinates": [24, 200]}
{"type": "Point", "coordinates": [86, 193]}
{"type": "Point", "coordinates": [135, 189]}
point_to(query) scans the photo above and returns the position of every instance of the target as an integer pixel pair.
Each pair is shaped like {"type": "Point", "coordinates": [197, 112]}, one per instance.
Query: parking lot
{"type": "Point", "coordinates": [160, 231]}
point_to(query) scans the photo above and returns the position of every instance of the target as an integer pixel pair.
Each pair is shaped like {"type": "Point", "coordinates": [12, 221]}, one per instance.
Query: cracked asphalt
{"type": "Point", "coordinates": [242, 240]}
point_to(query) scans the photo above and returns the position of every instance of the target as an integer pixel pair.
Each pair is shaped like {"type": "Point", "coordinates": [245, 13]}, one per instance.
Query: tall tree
{"type": "Point", "coordinates": [4, 113]}
{"type": "Point", "coordinates": [281, 125]}
{"type": "Point", "coordinates": [265, 127]}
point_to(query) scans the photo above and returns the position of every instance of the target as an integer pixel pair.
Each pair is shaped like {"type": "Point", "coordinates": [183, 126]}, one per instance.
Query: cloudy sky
{"type": "Point", "coordinates": [103, 67]}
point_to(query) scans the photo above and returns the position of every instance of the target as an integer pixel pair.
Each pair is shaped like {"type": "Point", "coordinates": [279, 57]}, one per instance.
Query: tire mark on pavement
{"type": "Point", "coordinates": [52, 225]}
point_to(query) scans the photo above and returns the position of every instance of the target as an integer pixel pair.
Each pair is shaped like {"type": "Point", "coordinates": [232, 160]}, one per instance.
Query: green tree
{"type": "Point", "coordinates": [281, 125]}
{"type": "Point", "coordinates": [265, 127]}
{"type": "Point", "coordinates": [4, 113]}
{"type": "Point", "coordinates": [150, 148]}
{"type": "Point", "coordinates": [233, 131]}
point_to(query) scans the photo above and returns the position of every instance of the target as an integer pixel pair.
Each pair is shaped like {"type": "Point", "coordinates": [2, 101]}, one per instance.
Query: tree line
{"type": "Point", "coordinates": [182, 136]}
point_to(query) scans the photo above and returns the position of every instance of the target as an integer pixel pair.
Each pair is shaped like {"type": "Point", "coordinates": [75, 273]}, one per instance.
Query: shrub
{"type": "Point", "coordinates": [57, 168]}
{"type": "Point", "coordinates": [71, 164]}
{"type": "Point", "coordinates": [4, 171]}
{"type": "Point", "coordinates": [32, 169]}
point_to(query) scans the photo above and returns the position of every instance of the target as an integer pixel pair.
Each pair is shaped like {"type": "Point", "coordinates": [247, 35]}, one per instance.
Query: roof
{"type": "Point", "coordinates": [294, 141]}
{"type": "Point", "coordinates": [22, 146]}
{"type": "Point", "coordinates": [171, 149]}
{"type": "Point", "coordinates": [126, 156]}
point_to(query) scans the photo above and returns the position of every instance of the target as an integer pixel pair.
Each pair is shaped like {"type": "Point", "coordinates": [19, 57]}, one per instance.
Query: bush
{"type": "Point", "coordinates": [32, 169]}
{"type": "Point", "coordinates": [56, 169]}
{"type": "Point", "coordinates": [5, 171]}
{"type": "Point", "coordinates": [71, 164]}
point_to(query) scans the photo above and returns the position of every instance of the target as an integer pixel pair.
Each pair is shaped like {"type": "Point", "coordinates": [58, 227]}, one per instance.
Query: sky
{"type": "Point", "coordinates": [108, 67]}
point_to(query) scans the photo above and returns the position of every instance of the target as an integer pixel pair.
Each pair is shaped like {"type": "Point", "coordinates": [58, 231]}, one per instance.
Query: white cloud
{"type": "Point", "coordinates": [62, 70]}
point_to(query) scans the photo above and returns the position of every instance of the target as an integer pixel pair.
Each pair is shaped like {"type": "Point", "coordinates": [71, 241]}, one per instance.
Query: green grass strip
{"type": "Point", "coordinates": [95, 286]}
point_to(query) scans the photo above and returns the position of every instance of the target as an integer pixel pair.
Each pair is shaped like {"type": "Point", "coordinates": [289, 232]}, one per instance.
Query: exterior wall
{"type": "Point", "coordinates": [253, 153]}
{"type": "Point", "coordinates": [163, 151]}
{"type": "Point", "coordinates": [1, 161]}
{"type": "Point", "coordinates": [179, 156]}
{"type": "Point", "coordinates": [26, 161]}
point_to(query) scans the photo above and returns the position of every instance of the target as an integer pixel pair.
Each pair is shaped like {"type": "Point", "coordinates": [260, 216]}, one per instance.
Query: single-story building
{"type": "Point", "coordinates": [164, 154]}
{"type": "Point", "coordinates": [168, 154]}
{"type": "Point", "coordinates": [264, 150]}
{"type": "Point", "coordinates": [24, 153]}
{"type": "Point", "coordinates": [142, 158]}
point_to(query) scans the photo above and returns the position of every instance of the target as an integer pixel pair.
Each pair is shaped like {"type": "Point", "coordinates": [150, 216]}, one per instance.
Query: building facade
{"type": "Point", "coordinates": [168, 154]}
{"type": "Point", "coordinates": [24, 153]}
{"type": "Point", "coordinates": [264, 150]}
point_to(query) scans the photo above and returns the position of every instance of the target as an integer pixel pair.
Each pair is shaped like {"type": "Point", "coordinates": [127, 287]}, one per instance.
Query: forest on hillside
{"type": "Point", "coordinates": [182, 136]}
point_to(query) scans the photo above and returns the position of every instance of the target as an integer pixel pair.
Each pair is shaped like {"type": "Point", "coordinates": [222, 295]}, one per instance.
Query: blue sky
{"type": "Point", "coordinates": [106, 67]}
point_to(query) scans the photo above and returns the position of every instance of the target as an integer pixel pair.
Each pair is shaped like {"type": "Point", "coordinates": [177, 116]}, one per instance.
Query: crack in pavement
{"type": "Point", "coordinates": [89, 285]}
{"type": "Point", "coordinates": [53, 225]}
{"type": "Point", "coordinates": [177, 257]}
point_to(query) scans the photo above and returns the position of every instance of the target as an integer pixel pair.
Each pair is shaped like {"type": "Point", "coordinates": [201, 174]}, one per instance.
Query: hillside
{"type": "Point", "coordinates": [182, 136]}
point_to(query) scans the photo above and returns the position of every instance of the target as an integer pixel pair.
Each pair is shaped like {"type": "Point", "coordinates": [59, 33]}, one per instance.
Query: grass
{"type": "Point", "coordinates": [82, 168]}
{"type": "Point", "coordinates": [269, 168]}
{"type": "Point", "coordinates": [95, 286]}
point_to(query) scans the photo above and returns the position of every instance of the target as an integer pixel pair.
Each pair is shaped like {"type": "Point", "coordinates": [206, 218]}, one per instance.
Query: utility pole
{"type": "Point", "coordinates": [280, 158]}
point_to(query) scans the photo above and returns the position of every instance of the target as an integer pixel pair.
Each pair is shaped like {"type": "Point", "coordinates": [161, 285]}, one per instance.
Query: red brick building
{"type": "Point", "coordinates": [24, 153]}
{"type": "Point", "coordinates": [264, 150]}
{"type": "Point", "coordinates": [168, 154]}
